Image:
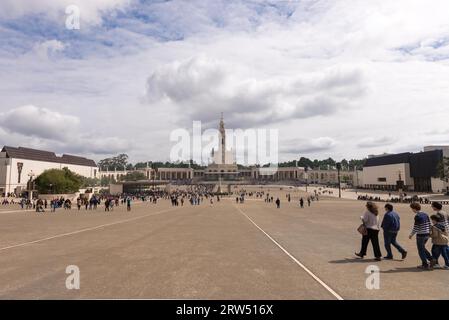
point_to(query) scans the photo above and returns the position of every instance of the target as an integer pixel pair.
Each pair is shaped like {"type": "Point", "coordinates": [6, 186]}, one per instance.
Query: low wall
{"type": "Point", "coordinates": [49, 197]}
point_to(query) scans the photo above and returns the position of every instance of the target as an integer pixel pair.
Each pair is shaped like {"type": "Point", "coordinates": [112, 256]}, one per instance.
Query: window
{"type": "Point", "coordinates": [382, 179]}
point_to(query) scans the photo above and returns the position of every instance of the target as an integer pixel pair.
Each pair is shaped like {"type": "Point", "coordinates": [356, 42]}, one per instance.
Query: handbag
{"type": "Point", "coordinates": [362, 230]}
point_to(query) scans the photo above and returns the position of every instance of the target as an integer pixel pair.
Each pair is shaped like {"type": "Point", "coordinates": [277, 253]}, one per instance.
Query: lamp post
{"type": "Point", "coordinates": [306, 171]}
{"type": "Point", "coordinates": [153, 174]}
{"type": "Point", "coordinates": [339, 179]}
{"type": "Point", "coordinates": [1, 174]}
{"type": "Point", "coordinates": [400, 187]}
{"type": "Point", "coordinates": [30, 184]}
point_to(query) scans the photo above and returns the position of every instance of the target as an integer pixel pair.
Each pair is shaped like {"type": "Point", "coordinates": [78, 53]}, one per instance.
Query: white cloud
{"type": "Point", "coordinates": [308, 146]}
{"type": "Point", "coordinates": [90, 10]}
{"type": "Point", "coordinates": [203, 87]}
{"type": "Point", "coordinates": [98, 145]}
{"type": "Point", "coordinates": [48, 49]}
{"type": "Point", "coordinates": [30, 120]}
{"type": "Point", "coordinates": [372, 142]}
{"type": "Point", "coordinates": [41, 127]}
{"type": "Point", "coordinates": [338, 69]}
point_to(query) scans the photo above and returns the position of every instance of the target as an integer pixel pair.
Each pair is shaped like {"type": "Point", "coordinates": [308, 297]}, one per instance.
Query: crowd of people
{"type": "Point", "coordinates": [404, 198]}
{"type": "Point", "coordinates": [195, 196]}
{"type": "Point", "coordinates": [434, 227]}
{"type": "Point", "coordinates": [427, 227]}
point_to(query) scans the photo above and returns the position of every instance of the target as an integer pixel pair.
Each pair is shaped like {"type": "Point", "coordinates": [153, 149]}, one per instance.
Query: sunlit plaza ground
{"type": "Point", "coordinates": [221, 251]}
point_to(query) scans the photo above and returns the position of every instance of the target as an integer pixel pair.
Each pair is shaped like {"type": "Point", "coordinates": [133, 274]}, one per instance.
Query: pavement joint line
{"type": "Point", "coordinates": [315, 277]}
{"type": "Point", "coordinates": [84, 230]}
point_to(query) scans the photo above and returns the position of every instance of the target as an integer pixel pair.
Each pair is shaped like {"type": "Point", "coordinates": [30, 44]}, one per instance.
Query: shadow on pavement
{"type": "Point", "coordinates": [404, 270]}
{"type": "Point", "coordinates": [353, 260]}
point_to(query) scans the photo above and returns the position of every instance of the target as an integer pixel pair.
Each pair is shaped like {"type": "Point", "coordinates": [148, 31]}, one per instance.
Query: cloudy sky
{"type": "Point", "coordinates": [340, 78]}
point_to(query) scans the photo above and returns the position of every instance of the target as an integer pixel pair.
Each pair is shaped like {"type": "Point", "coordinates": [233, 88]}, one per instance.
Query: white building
{"type": "Point", "coordinates": [19, 165]}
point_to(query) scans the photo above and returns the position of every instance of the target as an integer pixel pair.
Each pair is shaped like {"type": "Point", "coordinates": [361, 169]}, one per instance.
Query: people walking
{"type": "Point", "coordinates": [421, 229]}
{"type": "Point", "coordinates": [440, 240]}
{"type": "Point", "coordinates": [128, 204]}
{"type": "Point", "coordinates": [371, 222]}
{"type": "Point", "coordinates": [278, 203]}
{"type": "Point", "coordinates": [301, 203]}
{"type": "Point", "coordinates": [438, 208]}
{"type": "Point", "coordinates": [391, 224]}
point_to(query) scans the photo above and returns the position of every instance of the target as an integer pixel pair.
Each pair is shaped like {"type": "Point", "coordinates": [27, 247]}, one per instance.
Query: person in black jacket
{"type": "Point", "coordinates": [391, 225]}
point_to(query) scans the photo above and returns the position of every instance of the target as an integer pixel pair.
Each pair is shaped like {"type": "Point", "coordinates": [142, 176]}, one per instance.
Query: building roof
{"type": "Point", "coordinates": [388, 160]}
{"type": "Point", "coordinates": [46, 156]}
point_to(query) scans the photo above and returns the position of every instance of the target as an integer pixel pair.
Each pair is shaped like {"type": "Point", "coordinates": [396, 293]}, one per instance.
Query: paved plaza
{"type": "Point", "coordinates": [220, 251]}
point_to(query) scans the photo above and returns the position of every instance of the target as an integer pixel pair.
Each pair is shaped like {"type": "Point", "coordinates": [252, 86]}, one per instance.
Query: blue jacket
{"type": "Point", "coordinates": [391, 222]}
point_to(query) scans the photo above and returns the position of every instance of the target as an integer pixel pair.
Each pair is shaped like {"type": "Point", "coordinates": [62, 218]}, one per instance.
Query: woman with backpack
{"type": "Point", "coordinates": [370, 231]}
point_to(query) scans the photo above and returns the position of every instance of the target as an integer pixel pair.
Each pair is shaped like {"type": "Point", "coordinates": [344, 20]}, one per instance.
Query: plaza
{"type": "Point", "coordinates": [221, 251]}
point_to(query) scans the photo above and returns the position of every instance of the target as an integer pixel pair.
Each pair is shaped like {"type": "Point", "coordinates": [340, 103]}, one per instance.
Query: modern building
{"type": "Point", "coordinates": [20, 165]}
{"type": "Point", "coordinates": [445, 149]}
{"type": "Point", "coordinates": [408, 171]}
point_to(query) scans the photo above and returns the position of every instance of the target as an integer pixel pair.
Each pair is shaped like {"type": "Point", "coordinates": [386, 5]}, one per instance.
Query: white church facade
{"type": "Point", "coordinates": [19, 165]}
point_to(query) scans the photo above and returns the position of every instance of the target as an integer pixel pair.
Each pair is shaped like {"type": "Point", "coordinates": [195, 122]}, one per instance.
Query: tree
{"type": "Point", "coordinates": [118, 162]}
{"type": "Point", "coordinates": [443, 170]}
{"type": "Point", "coordinates": [90, 182]}
{"type": "Point", "coordinates": [57, 181]}
{"type": "Point", "coordinates": [134, 176]}
{"type": "Point", "coordinates": [305, 162]}
{"type": "Point", "coordinates": [105, 181]}
{"type": "Point", "coordinates": [356, 164]}
{"type": "Point", "coordinates": [143, 165]}
{"type": "Point", "coordinates": [159, 164]}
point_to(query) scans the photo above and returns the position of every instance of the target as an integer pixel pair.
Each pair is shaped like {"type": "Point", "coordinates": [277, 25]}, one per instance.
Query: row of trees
{"type": "Point", "coordinates": [324, 164]}
{"type": "Point", "coordinates": [130, 176]}
{"type": "Point", "coordinates": [120, 162]}
{"type": "Point", "coordinates": [160, 164]}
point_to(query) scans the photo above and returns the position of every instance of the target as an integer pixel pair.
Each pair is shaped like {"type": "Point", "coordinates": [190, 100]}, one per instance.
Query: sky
{"type": "Point", "coordinates": [340, 78]}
